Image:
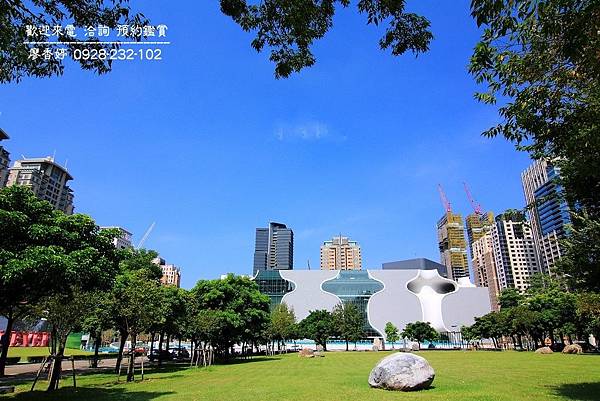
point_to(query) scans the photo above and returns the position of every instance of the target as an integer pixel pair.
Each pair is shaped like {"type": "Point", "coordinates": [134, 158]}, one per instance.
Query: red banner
{"type": "Point", "coordinates": [28, 338]}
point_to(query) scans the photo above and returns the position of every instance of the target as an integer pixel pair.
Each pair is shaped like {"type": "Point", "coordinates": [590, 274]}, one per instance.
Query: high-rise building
{"type": "Point", "coordinates": [47, 180]}
{"type": "Point", "coordinates": [4, 160]}
{"type": "Point", "coordinates": [274, 248]}
{"type": "Point", "coordinates": [514, 249]}
{"type": "Point", "coordinates": [484, 267]}
{"type": "Point", "coordinates": [452, 245]}
{"type": "Point", "coordinates": [171, 274]}
{"type": "Point", "coordinates": [478, 224]}
{"type": "Point", "coordinates": [123, 241]}
{"type": "Point", "coordinates": [548, 213]}
{"type": "Point", "coordinates": [340, 253]}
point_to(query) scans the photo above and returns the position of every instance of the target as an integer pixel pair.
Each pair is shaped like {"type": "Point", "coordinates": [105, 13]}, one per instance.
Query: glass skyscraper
{"type": "Point", "coordinates": [274, 248]}
{"type": "Point", "coordinates": [549, 213]}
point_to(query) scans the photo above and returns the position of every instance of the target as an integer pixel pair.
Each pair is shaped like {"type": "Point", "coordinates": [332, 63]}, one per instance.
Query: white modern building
{"type": "Point", "coordinates": [397, 296]}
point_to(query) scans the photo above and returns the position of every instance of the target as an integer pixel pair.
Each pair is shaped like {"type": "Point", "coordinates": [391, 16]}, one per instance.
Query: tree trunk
{"type": "Point", "coordinates": [5, 343]}
{"type": "Point", "coordinates": [123, 339]}
{"type": "Point", "coordinates": [161, 337]}
{"type": "Point", "coordinates": [56, 368]}
{"type": "Point", "coordinates": [346, 344]}
{"type": "Point", "coordinates": [131, 367]}
{"type": "Point", "coordinates": [53, 341]}
{"type": "Point", "coordinates": [96, 348]}
{"type": "Point", "coordinates": [324, 346]}
{"type": "Point", "coordinates": [152, 335]}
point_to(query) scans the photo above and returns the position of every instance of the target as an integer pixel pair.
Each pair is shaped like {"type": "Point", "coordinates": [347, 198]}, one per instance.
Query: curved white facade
{"type": "Point", "coordinates": [407, 296]}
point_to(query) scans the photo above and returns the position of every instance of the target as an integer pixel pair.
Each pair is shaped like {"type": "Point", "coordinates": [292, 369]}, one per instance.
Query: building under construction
{"type": "Point", "coordinates": [451, 241]}
{"type": "Point", "coordinates": [478, 223]}
{"type": "Point", "coordinates": [452, 245]}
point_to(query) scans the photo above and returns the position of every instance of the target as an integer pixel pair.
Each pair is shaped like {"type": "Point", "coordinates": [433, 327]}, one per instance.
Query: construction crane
{"type": "Point", "coordinates": [145, 237]}
{"type": "Point", "coordinates": [476, 206]}
{"type": "Point", "coordinates": [445, 202]}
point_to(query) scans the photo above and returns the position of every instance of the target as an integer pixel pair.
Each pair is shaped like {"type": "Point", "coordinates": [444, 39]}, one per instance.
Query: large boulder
{"type": "Point", "coordinates": [402, 372]}
{"type": "Point", "coordinates": [544, 350]}
{"type": "Point", "coordinates": [306, 353]}
{"type": "Point", "coordinates": [573, 349]}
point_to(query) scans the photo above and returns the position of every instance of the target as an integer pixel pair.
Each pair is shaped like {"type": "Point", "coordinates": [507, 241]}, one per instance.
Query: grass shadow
{"type": "Point", "coordinates": [108, 372]}
{"type": "Point", "coordinates": [249, 360]}
{"type": "Point", "coordinates": [578, 391]}
{"type": "Point", "coordinates": [91, 393]}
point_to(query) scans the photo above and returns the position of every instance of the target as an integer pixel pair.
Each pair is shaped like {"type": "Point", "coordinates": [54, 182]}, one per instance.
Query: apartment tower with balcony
{"type": "Point", "coordinates": [46, 178]}
{"type": "Point", "coordinates": [341, 253]}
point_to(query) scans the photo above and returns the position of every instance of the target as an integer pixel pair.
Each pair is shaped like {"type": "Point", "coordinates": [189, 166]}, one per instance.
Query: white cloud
{"type": "Point", "coordinates": [307, 131]}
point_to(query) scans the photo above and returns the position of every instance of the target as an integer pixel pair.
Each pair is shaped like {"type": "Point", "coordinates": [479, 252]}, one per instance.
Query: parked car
{"type": "Point", "coordinates": [164, 355]}
{"type": "Point", "coordinates": [180, 353]}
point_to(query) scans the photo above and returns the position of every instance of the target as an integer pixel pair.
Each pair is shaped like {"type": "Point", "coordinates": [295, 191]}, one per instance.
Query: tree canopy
{"type": "Point", "coordinates": [391, 333]}
{"type": "Point", "coordinates": [318, 326]}
{"type": "Point", "coordinates": [232, 311]}
{"type": "Point", "coordinates": [16, 15]}
{"type": "Point", "coordinates": [539, 60]}
{"type": "Point", "coordinates": [46, 253]}
{"type": "Point", "coordinates": [290, 27]}
{"type": "Point", "coordinates": [419, 332]}
{"type": "Point", "coordinates": [348, 322]}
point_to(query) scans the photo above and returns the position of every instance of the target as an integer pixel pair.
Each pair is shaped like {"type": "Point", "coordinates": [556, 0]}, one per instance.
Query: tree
{"type": "Point", "coordinates": [468, 334]}
{"type": "Point", "coordinates": [168, 319]}
{"type": "Point", "coordinates": [28, 266]}
{"type": "Point", "coordinates": [317, 326]}
{"type": "Point", "coordinates": [45, 253]}
{"type": "Point", "coordinates": [135, 299]}
{"type": "Point", "coordinates": [235, 306]}
{"type": "Point", "coordinates": [580, 263]}
{"type": "Point", "coordinates": [348, 322]}
{"type": "Point", "coordinates": [419, 332]}
{"type": "Point", "coordinates": [391, 333]}
{"type": "Point", "coordinates": [17, 15]}
{"type": "Point", "coordinates": [588, 308]}
{"type": "Point", "coordinates": [97, 318]}
{"type": "Point", "coordinates": [493, 325]}
{"type": "Point", "coordinates": [289, 27]}
{"type": "Point", "coordinates": [510, 297]}
{"type": "Point", "coordinates": [283, 323]}
{"type": "Point", "coordinates": [63, 312]}
{"type": "Point", "coordinates": [540, 59]}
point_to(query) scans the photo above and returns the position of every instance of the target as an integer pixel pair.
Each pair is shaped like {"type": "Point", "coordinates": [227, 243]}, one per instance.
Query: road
{"type": "Point", "coordinates": [27, 371]}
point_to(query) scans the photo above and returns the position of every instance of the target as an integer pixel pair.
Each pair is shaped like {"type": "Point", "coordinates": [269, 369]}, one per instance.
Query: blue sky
{"type": "Point", "coordinates": [209, 145]}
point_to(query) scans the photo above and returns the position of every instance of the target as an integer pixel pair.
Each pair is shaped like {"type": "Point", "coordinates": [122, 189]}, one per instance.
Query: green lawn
{"type": "Point", "coordinates": [39, 351]}
{"type": "Point", "coordinates": [343, 376]}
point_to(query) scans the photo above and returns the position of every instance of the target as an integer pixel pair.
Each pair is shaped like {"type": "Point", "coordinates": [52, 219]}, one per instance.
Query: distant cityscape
{"type": "Point", "coordinates": [502, 251]}
{"type": "Point", "coordinates": [49, 181]}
